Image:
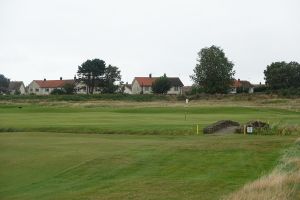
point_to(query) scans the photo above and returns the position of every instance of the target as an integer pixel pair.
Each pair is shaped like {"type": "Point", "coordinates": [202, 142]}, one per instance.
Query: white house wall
{"type": "Point", "coordinates": [81, 88]}
{"type": "Point", "coordinates": [175, 92]}
{"type": "Point", "coordinates": [34, 88]}
{"type": "Point", "coordinates": [136, 88]}
{"type": "Point", "coordinates": [22, 89]}
{"type": "Point", "coordinates": [127, 90]}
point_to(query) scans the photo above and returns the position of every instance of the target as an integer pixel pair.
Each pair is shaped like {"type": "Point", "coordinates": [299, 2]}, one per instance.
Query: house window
{"type": "Point", "coordinates": [47, 89]}
{"type": "Point", "coordinates": [146, 88]}
{"type": "Point", "coordinates": [31, 90]}
{"type": "Point", "coordinates": [176, 88]}
{"type": "Point", "coordinates": [37, 89]}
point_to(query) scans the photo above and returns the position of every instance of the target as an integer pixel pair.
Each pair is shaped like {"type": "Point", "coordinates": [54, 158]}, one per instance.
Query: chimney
{"type": "Point", "coordinates": [150, 75]}
{"type": "Point", "coordinates": [60, 78]}
{"type": "Point", "coordinates": [44, 79]}
{"type": "Point", "coordinates": [75, 78]}
{"type": "Point", "coordinates": [239, 80]}
{"type": "Point", "coordinates": [259, 83]}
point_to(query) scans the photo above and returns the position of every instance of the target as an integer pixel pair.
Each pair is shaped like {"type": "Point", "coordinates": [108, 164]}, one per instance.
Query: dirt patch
{"type": "Point", "coordinates": [220, 126]}
{"type": "Point", "coordinates": [227, 130]}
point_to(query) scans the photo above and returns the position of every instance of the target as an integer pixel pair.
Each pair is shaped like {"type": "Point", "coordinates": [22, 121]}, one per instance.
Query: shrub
{"type": "Point", "coordinates": [261, 88]}
{"type": "Point", "coordinates": [242, 90]}
{"type": "Point", "coordinates": [17, 92]}
{"type": "Point", "coordinates": [277, 129]}
{"type": "Point", "coordinates": [289, 92]}
{"type": "Point", "coordinates": [196, 90]}
{"type": "Point", "coordinates": [69, 88]}
{"type": "Point", "coordinates": [161, 85]}
{"type": "Point", "coordinates": [58, 92]}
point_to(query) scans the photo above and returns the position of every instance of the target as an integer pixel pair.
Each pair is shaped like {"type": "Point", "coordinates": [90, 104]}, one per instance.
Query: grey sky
{"type": "Point", "coordinates": [51, 38]}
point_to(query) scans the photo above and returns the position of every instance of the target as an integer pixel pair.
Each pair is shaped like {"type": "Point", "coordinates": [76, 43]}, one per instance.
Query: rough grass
{"type": "Point", "coordinates": [84, 97]}
{"type": "Point", "coordinates": [281, 184]}
{"type": "Point", "coordinates": [99, 166]}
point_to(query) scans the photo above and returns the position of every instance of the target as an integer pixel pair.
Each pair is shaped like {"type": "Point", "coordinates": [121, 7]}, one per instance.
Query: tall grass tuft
{"type": "Point", "coordinates": [281, 184]}
{"type": "Point", "coordinates": [278, 129]}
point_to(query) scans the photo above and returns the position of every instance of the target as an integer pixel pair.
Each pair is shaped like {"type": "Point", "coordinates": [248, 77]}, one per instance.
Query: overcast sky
{"type": "Point", "coordinates": [49, 39]}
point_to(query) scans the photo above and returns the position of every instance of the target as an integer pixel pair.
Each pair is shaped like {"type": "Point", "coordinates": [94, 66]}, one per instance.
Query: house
{"type": "Point", "coordinates": [17, 87]}
{"type": "Point", "coordinates": [143, 85]}
{"type": "Point", "coordinates": [241, 86]}
{"type": "Point", "coordinates": [45, 87]}
{"type": "Point", "coordinates": [127, 89]}
{"type": "Point", "coordinates": [124, 88]}
{"type": "Point", "coordinates": [81, 87]}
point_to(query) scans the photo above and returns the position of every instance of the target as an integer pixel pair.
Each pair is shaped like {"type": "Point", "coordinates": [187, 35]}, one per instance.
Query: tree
{"type": "Point", "coordinates": [214, 72]}
{"type": "Point", "coordinates": [4, 83]}
{"type": "Point", "coordinates": [122, 86]}
{"type": "Point", "coordinates": [69, 88]}
{"type": "Point", "coordinates": [281, 75]}
{"type": "Point", "coordinates": [161, 85]}
{"type": "Point", "coordinates": [91, 73]}
{"type": "Point", "coordinates": [111, 75]}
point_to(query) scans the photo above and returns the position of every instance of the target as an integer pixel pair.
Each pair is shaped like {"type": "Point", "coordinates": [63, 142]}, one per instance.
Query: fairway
{"type": "Point", "coordinates": [132, 151]}
{"type": "Point", "coordinates": [131, 119]}
{"type": "Point", "coordinates": [99, 166]}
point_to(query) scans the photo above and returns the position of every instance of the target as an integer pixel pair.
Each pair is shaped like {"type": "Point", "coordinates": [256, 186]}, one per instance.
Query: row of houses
{"type": "Point", "coordinates": [143, 85]}
{"type": "Point", "coordinates": [139, 85]}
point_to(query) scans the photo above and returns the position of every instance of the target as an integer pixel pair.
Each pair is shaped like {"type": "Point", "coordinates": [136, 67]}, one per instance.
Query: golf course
{"type": "Point", "coordinates": [140, 150]}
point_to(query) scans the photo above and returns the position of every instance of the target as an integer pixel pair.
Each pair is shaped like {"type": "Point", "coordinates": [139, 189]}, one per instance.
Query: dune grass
{"type": "Point", "coordinates": [100, 166]}
{"type": "Point", "coordinates": [283, 183]}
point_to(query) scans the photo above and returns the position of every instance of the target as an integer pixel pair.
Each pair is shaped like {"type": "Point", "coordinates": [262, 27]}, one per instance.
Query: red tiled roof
{"type": "Point", "coordinates": [236, 84]}
{"type": "Point", "coordinates": [241, 83]}
{"type": "Point", "coordinates": [145, 81]}
{"type": "Point", "coordinates": [53, 83]}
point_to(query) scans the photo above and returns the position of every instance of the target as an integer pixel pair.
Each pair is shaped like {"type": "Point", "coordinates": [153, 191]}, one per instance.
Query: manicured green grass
{"type": "Point", "coordinates": [137, 120]}
{"type": "Point", "coordinates": [100, 166]}
{"type": "Point", "coordinates": [42, 158]}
